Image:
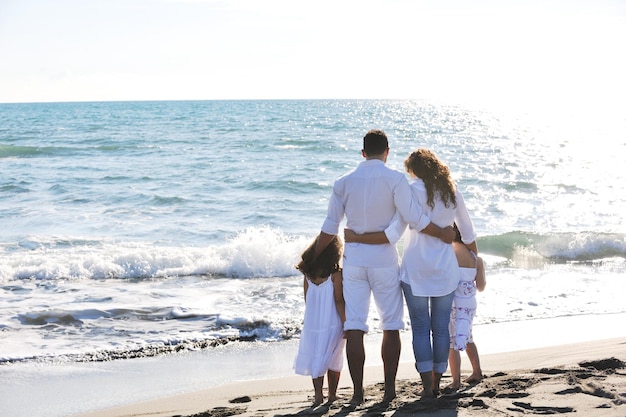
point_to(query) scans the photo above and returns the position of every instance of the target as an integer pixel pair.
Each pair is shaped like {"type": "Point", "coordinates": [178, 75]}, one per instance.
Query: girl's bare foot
{"type": "Point", "coordinates": [318, 401]}
{"type": "Point", "coordinates": [474, 378]}
{"type": "Point", "coordinates": [451, 388]}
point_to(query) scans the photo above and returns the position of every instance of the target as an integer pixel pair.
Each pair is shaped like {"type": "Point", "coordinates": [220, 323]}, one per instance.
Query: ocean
{"type": "Point", "coordinates": [139, 229]}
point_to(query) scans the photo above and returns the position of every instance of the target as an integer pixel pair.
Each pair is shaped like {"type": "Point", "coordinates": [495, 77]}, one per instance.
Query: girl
{"type": "Point", "coordinates": [321, 343]}
{"type": "Point", "coordinates": [463, 311]}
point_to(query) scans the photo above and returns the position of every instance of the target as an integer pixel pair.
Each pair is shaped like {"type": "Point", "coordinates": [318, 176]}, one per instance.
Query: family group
{"type": "Point", "coordinates": [437, 276]}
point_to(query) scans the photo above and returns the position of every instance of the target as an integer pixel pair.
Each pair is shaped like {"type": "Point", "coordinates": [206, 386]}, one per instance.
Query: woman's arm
{"type": "Point", "coordinates": [473, 247]}
{"type": "Point", "coordinates": [464, 223]}
{"type": "Point", "coordinates": [391, 234]}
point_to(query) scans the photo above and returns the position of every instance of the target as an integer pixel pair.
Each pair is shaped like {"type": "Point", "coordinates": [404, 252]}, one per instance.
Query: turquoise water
{"type": "Point", "coordinates": [146, 226]}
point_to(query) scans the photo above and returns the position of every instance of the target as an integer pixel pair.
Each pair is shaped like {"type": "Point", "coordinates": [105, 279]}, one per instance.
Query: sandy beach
{"type": "Point", "coordinates": [582, 378]}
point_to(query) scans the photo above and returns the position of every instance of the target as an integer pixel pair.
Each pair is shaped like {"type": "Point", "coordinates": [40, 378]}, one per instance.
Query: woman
{"type": "Point", "coordinates": [429, 272]}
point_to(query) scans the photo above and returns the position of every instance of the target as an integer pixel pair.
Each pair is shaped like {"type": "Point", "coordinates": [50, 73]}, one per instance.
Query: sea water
{"type": "Point", "coordinates": [133, 229]}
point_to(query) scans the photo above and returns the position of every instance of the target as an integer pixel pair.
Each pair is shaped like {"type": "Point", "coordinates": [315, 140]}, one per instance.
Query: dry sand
{"type": "Point", "coordinates": [584, 379]}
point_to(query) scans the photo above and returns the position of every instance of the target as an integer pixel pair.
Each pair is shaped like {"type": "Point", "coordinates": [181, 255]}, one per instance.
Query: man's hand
{"type": "Point", "coordinates": [349, 235]}
{"type": "Point", "coordinates": [447, 234]}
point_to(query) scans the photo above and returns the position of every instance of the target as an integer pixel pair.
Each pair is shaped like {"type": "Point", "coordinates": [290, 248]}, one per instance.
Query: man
{"type": "Point", "coordinates": [369, 197]}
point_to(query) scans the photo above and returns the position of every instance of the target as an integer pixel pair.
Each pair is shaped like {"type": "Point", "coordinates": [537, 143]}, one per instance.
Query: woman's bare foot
{"type": "Point", "coordinates": [427, 395]}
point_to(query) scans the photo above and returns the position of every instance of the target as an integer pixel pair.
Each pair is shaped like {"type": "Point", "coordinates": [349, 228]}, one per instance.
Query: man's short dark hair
{"type": "Point", "coordinates": [375, 142]}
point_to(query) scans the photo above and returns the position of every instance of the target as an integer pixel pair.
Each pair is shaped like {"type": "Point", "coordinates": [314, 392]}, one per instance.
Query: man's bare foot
{"type": "Point", "coordinates": [356, 400]}
{"type": "Point", "coordinates": [388, 398]}
{"type": "Point", "coordinates": [474, 378]}
{"type": "Point", "coordinates": [332, 398]}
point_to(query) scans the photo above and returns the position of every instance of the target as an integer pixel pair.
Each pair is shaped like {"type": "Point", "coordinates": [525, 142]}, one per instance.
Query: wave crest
{"type": "Point", "coordinates": [555, 247]}
{"type": "Point", "coordinates": [254, 252]}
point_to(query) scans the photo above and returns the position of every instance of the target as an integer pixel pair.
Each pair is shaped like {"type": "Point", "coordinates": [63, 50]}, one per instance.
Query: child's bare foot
{"type": "Point", "coordinates": [474, 378]}
{"type": "Point", "coordinates": [318, 401]}
{"type": "Point", "coordinates": [451, 388]}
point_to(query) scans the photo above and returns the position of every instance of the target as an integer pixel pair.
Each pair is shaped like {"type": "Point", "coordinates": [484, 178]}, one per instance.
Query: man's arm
{"type": "Point", "coordinates": [323, 240]}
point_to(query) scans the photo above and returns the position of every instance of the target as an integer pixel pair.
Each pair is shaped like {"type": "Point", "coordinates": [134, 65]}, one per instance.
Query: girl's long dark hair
{"type": "Point", "coordinates": [325, 264]}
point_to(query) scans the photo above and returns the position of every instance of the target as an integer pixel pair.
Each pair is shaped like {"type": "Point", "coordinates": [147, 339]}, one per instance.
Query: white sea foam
{"type": "Point", "coordinates": [183, 298]}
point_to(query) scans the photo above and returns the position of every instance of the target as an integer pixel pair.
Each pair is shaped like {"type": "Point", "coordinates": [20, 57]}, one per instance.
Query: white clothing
{"type": "Point", "coordinates": [358, 283]}
{"type": "Point", "coordinates": [429, 265]}
{"type": "Point", "coordinates": [321, 341]}
{"type": "Point", "coordinates": [463, 310]}
{"type": "Point", "coordinates": [369, 197]}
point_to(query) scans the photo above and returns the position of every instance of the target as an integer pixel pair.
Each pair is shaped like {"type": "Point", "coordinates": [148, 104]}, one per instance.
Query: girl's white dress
{"type": "Point", "coordinates": [463, 310]}
{"type": "Point", "coordinates": [321, 342]}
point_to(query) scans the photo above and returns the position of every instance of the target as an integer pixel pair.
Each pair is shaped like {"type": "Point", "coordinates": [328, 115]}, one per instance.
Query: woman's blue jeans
{"type": "Point", "coordinates": [429, 316]}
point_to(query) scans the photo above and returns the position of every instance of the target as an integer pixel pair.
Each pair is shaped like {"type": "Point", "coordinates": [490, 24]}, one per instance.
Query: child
{"type": "Point", "coordinates": [321, 343]}
{"type": "Point", "coordinates": [462, 315]}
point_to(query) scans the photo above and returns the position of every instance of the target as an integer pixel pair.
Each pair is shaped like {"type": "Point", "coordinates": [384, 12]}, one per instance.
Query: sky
{"type": "Point", "coordinates": [527, 51]}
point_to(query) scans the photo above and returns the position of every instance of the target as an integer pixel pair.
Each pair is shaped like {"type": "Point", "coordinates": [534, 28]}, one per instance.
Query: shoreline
{"type": "Point", "coordinates": [291, 396]}
{"type": "Point", "coordinates": [561, 341]}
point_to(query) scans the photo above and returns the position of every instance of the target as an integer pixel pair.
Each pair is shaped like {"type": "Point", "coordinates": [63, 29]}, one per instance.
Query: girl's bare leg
{"type": "Point", "coordinates": [472, 354]}
{"type": "Point", "coordinates": [333, 383]}
{"type": "Point", "coordinates": [318, 383]}
{"type": "Point", "coordinates": [454, 360]}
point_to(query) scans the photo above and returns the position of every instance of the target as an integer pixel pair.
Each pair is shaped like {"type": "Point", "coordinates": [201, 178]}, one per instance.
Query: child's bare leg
{"type": "Point", "coordinates": [317, 386]}
{"type": "Point", "coordinates": [472, 354]}
{"type": "Point", "coordinates": [333, 383]}
{"type": "Point", "coordinates": [454, 360]}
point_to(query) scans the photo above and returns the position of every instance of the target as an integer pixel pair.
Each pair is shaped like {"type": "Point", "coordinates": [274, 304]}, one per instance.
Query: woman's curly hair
{"type": "Point", "coordinates": [424, 164]}
{"type": "Point", "coordinates": [325, 264]}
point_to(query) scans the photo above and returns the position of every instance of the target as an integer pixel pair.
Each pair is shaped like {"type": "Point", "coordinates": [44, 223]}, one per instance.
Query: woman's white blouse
{"type": "Point", "coordinates": [429, 265]}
